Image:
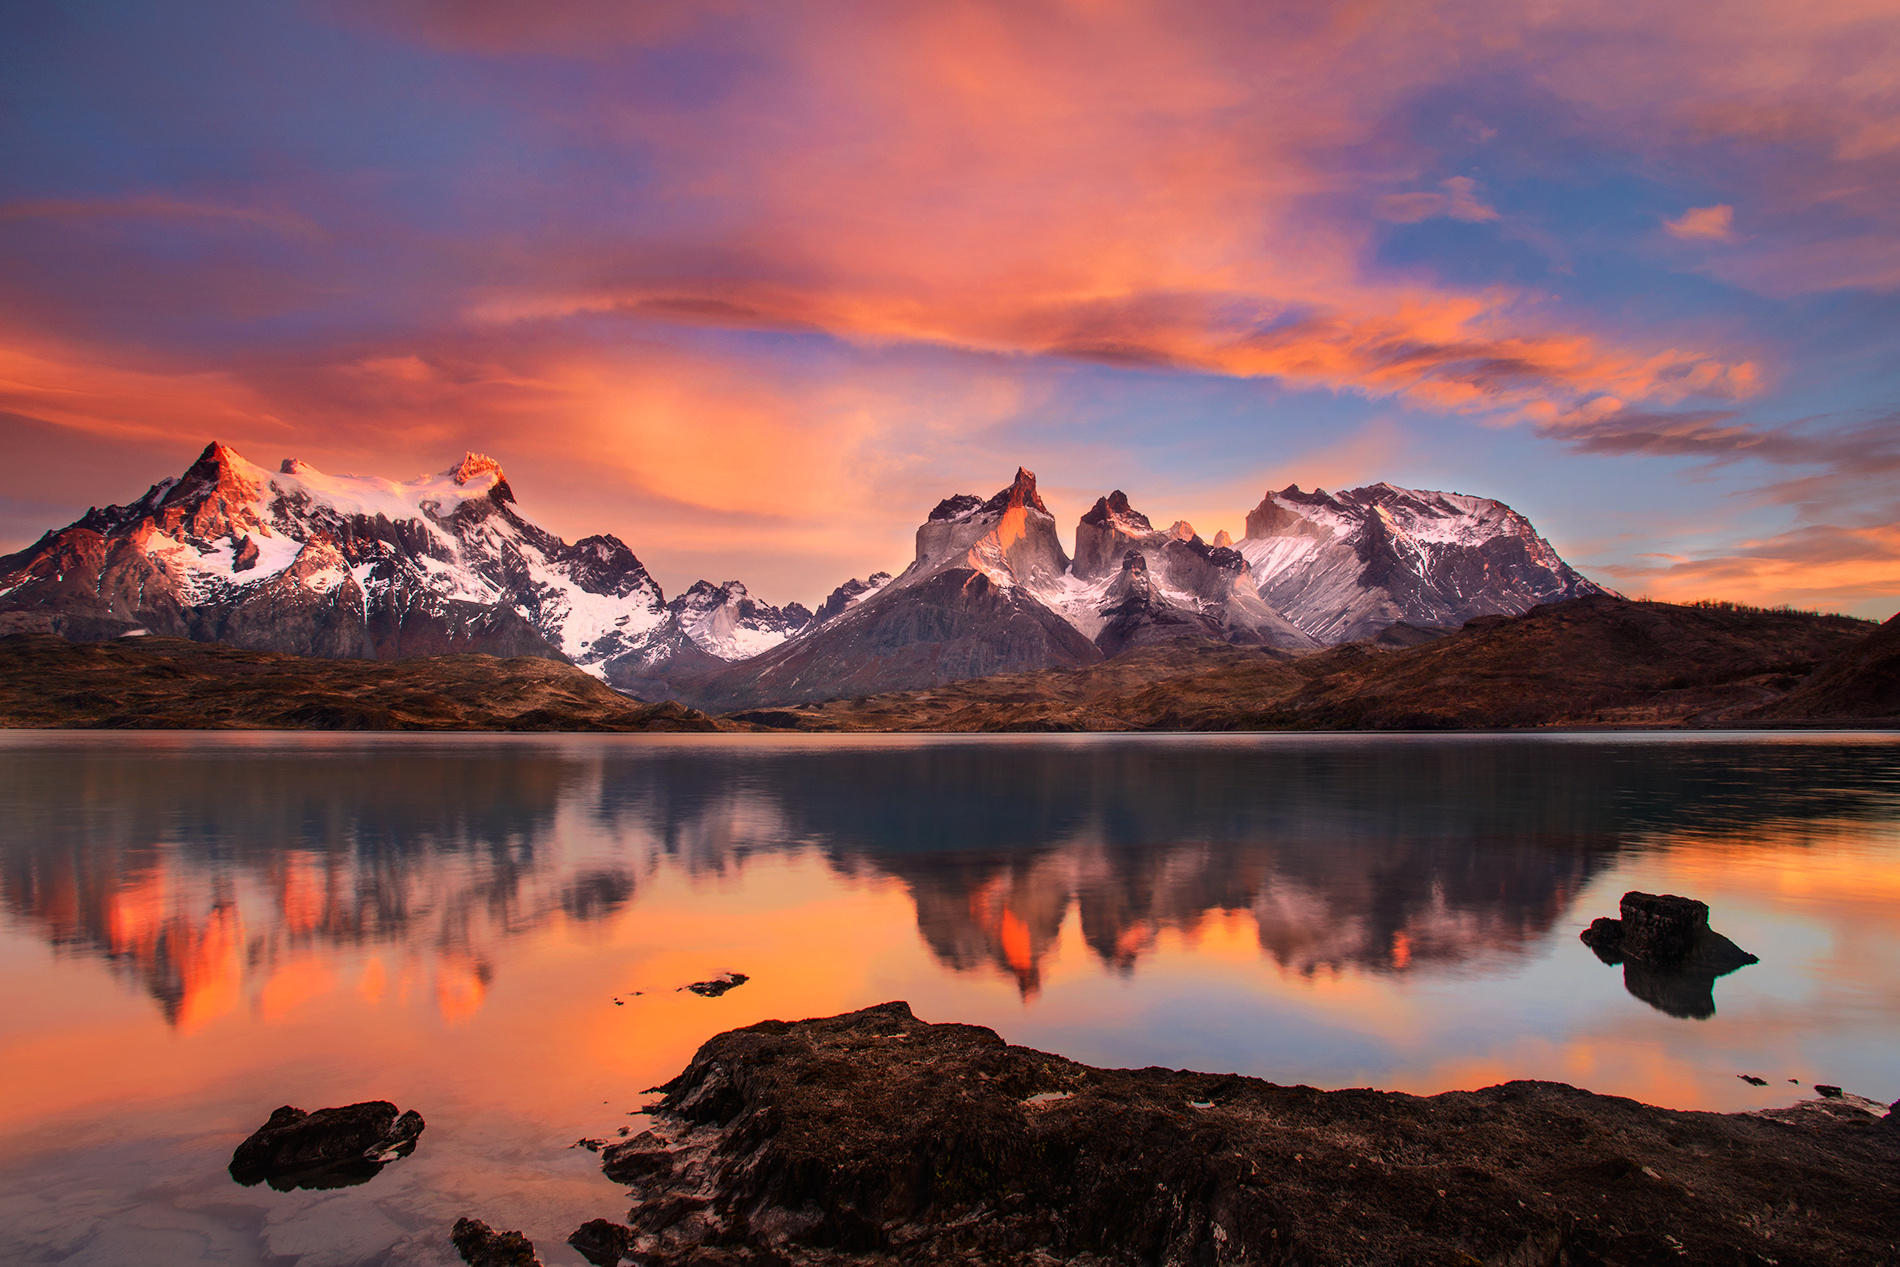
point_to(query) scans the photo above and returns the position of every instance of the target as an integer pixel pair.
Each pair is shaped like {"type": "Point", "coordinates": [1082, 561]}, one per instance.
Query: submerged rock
{"type": "Point", "coordinates": [874, 1137]}
{"type": "Point", "coordinates": [330, 1148]}
{"type": "Point", "coordinates": [718, 985]}
{"type": "Point", "coordinates": [482, 1246]}
{"type": "Point", "coordinates": [1670, 955]}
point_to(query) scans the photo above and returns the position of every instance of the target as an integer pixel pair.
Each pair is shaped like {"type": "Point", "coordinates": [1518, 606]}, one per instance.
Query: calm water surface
{"type": "Point", "coordinates": [194, 930]}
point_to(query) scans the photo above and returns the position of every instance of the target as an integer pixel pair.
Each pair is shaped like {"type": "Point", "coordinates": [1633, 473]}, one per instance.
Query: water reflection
{"type": "Point", "coordinates": [215, 876]}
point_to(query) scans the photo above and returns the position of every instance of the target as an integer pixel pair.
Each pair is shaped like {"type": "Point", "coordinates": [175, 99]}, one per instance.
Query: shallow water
{"type": "Point", "coordinates": [195, 929]}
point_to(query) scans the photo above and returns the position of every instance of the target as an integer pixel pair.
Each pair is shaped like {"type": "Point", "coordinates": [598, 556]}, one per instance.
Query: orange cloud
{"type": "Point", "coordinates": [1708, 224]}
{"type": "Point", "coordinates": [1817, 566]}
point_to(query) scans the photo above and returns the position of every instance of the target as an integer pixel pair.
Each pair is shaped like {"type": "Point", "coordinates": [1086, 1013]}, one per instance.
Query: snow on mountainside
{"type": "Point", "coordinates": [303, 561]}
{"type": "Point", "coordinates": [727, 622]}
{"type": "Point", "coordinates": [1347, 565]}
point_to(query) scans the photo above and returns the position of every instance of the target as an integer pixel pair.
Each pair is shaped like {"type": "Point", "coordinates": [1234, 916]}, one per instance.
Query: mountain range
{"type": "Point", "coordinates": [295, 560]}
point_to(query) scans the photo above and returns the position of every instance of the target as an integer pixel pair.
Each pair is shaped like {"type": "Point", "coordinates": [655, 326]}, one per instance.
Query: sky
{"type": "Point", "coordinates": [753, 286]}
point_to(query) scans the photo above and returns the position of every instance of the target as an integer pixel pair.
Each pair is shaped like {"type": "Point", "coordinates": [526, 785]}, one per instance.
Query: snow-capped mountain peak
{"type": "Point", "coordinates": [1345, 565]}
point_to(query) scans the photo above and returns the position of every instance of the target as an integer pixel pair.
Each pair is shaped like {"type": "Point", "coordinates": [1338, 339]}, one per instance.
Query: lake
{"type": "Point", "coordinates": [195, 929]}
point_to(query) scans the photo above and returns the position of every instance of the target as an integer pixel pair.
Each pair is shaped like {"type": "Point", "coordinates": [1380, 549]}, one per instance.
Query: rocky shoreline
{"type": "Point", "coordinates": [874, 1137]}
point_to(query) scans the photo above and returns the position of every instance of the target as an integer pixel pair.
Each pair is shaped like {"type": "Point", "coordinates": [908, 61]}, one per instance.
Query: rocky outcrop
{"type": "Point", "coordinates": [1670, 956]}
{"type": "Point", "coordinates": [329, 1148]}
{"type": "Point", "coordinates": [1665, 931]}
{"type": "Point", "coordinates": [851, 592]}
{"type": "Point", "coordinates": [873, 1137]}
{"type": "Point", "coordinates": [482, 1246]}
{"type": "Point", "coordinates": [1184, 587]}
{"type": "Point", "coordinates": [601, 1242]}
{"type": "Point", "coordinates": [1106, 531]}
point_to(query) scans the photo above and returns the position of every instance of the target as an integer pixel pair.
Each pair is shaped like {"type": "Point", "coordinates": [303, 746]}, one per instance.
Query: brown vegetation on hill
{"type": "Point", "coordinates": [172, 684]}
{"type": "Point", "coordinates": [1595, 661]}
{"type": "Point", "coordinates": [1862, 683]}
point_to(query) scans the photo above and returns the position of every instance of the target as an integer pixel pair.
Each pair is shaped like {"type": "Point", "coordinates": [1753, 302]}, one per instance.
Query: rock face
{"type": "Point", "coordinates": [1670, 956]}
{"type": "Point", "coordinates": [329, 1148]}
{"type": "Point", "coordinates": [1184, 587]}
{"type": "Point", "coordinates": [1343, 566]}
{"type": "Point", "coordinates": [873, 1137]}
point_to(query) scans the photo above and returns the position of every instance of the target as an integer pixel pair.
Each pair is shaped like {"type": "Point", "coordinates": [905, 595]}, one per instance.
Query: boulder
{"type": "Point", "coordinates": [482, 1246]}
{"type": "Point", "coordinates": [329, 1148]}
{"type": "Point", "coordinates": [1670, 955]}
{"type": "Point", "coordinates": [602, 1242]}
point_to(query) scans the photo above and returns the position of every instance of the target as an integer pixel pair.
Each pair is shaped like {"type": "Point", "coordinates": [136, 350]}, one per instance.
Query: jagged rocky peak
{"type": "Point", "coordinates": [605, 564]}
{"type": "Point", "coordinates": [1020, 493]}
{"type": "Point", "coordinates": [1009, 537]}
{"type": "Point", "coordinates": [850, 594]}
{"type": "Point", "coordinates": [1114, 508]}
{"type": "Point", "coordinates": [1224, 538]}
{"type": "Point", "coordinates": [484, 471]}
{"type": "Point", "coordinates": [1275, 516]}
{"type": "Point", "coordinates": [1104, 533]}
{"type": "Point", "coordinates": [474, 466]}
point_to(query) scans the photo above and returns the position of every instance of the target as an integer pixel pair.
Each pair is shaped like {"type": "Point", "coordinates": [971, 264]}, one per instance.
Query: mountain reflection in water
{"type": "Point", "coordinates": [209, 876]}
{"type": "Point", "coordinates": [195, 929]}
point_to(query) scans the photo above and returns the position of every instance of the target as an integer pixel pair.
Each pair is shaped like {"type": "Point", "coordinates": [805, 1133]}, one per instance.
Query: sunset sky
{"type": "Point", "coordinates": [754, 285]}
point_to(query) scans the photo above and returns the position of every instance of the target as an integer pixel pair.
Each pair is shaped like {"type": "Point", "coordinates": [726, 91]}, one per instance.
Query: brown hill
{"type": "Point", "coordinates": [172, 684]}
{"type": "Point", "coordinates": [1584, 662]}
{"type": "Point", "coordinates": [1862, 683]}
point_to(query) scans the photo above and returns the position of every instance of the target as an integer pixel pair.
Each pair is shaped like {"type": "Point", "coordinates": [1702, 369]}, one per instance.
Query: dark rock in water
{"type": "Point", "coordinates": [1752, 1080]}
{"type": "Point", "coordinates": [330, 1148]}
{"type": "Point", "coordinates": [601, 1242]}
{"type": "Point", "coordinates": [1661, 927]}
{"type": "Point", "coordinates": [873, 1137]}
{"type": "Point", "coordinates": [718, 985]}
{"type": "Point", "coordinates": [482, 1246]}
{"type": "Point", "coordinates": [1605, 936]}
{"type": "Point", "coordinates": [1827, 1092]}
{"type": "Point", "coordinates": [1670, 955]}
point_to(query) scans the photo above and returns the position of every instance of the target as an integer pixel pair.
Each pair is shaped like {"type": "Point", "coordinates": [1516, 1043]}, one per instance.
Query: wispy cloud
{"type": "Point", "coordinates": [1704, 224]}
{"type": "Point", "coordinates": [1456, 198]}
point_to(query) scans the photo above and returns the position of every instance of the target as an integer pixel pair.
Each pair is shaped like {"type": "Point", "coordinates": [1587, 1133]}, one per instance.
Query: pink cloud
{"type": "Point", "coordinates": [1707, 224]}
{"type": "Point", "coordinates": [1457, 198]}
